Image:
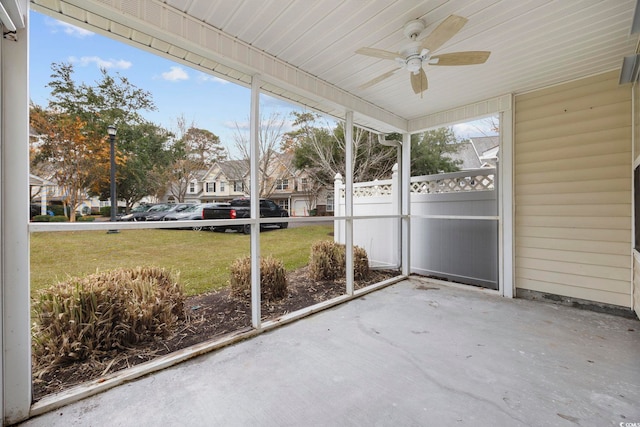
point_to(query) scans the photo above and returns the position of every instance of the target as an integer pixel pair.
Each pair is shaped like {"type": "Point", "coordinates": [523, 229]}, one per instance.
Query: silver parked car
{"type": "Point", "coordinates": [158, 212]}
{"type": "Point", "coordinates": [193, 212]}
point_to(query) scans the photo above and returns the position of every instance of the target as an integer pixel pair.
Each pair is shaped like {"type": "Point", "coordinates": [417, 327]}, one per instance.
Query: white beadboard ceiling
{"type": "Point", "coordinates": [304, 49]}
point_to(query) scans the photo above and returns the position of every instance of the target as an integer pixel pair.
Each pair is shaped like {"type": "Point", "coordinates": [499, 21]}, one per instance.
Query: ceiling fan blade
{"type": "Point", "coordinates": [377, 79]}
{"type": "Point", "coordinates": [461, 58]}
{"type": "Point", "coordinates": [419, 82]}
{"type": "Point", "coordinates": [443, 32]}
{"type": "Point", "coordinates": [377, 53]}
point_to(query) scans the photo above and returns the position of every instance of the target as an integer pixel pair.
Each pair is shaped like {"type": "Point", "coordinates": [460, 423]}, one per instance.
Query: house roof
{"type": "Point", "coordinates": [467, 155]}
{"type": "Point", "coordinates": [234, 170]}
{"type": "Point", "coordinates": [37, 181]}
{"type": "Point", "coordinates": [483, 144]}
{"type": "Point", "coordinates": [305, 51]}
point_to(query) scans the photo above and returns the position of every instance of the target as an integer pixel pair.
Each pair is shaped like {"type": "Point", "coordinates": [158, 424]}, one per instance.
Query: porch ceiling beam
{"type": "Point", "coordinates": [477, 110]}
{"type": "Point", "coordinates": [209, 49]}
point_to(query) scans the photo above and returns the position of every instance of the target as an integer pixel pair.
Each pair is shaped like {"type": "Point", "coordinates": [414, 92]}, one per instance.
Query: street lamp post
{"type": "Point", "coordinates": [111, 130]}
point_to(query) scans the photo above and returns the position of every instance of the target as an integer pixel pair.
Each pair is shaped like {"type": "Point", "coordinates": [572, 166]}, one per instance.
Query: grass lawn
{"type": "Point", "coordinates": [201, 258]}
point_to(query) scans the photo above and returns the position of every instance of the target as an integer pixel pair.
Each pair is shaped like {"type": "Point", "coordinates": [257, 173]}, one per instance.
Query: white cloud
{"type": "Point", "coordinates": [175, 74]}
{"type": "Point", "coordinates": [202, 77]}
{"type": "Point", "coordinates": [85, 61]}
{"type": "Point", "coordinates": [476, 128]}
{"type": "Point", "coordinates": [71, 30]}
{"type": "Point", "coordinates": [242, 125]}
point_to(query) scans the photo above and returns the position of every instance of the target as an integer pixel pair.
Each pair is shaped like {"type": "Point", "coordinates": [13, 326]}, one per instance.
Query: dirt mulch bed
{"type": "Point", "coordinates": [208, 316]}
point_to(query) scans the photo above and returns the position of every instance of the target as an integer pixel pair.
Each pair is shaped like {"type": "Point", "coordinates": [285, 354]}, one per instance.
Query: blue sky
{"type": "Point", "coordinates": [177, 90]}
{"type": "Point", "coordinates": [208, 102]}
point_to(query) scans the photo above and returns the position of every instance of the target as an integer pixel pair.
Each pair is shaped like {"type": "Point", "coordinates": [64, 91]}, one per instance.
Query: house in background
{"type": "Point", "coordinates": [291, 188]}
{"type": "Point", "coordinates": [475, 153]}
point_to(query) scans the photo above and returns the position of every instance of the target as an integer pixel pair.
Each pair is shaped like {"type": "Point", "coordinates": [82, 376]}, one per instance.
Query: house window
{"type": "Point", "coordinates": [192, 187]}
{"type": "Point", "coordinates": [222, 185]}
{"type": "Point", "coordinates": [282, 184]}
{"type": "Point", "coordinates": [211, 187]}
{"type": "Point", "coordinates": [237, 186]}
{"type": "Point", "coordinates": [284, 204]}
{"type": "Point", "coordinates": [304, 184]}
{"type": "Point", "coordinates": [330, 202]}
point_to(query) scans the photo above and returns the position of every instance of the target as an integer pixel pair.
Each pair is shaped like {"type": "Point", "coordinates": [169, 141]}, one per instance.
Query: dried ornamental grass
{"type": "Point", "coordinates": [91, 316]}
{"type": "Point", "coordinates": [360, 263]}
{"type": "Point", "coordinates": [328, 261]}
{"type": "Point", "coordinates": [273, 278]}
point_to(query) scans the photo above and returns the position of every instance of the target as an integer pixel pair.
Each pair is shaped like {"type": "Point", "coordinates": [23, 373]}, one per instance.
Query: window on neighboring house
{"type": "Point", "coordinates": [330, 202]}
{"type": "Point", "coordinates": [284, 204]}
{"type": "Point", "coordinates": [192, 187]}
{"type": "Point", "coordinates": [211, 187]}
{"type": "Point", "coordinates": [238, 186]}
{"type": "Point", "coordinates": [304, 184]}
{"type": "Point", "coordinates": [282, 184]}
{"type": "Point", "coordinates": [222, 185]}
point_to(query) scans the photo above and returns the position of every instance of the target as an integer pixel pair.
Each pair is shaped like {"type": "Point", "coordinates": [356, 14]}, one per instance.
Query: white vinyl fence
{"type": "Point", "coordinates": [454, 224]}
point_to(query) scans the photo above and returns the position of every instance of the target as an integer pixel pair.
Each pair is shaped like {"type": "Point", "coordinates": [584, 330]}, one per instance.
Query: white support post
{"type": "Point", "coordinates": [506, 247]}
{"type": "Point", "coordinates": [338, 227]}
{"type": "Point", "coordinates": [254, 153]}
{"type": "Point", "coordinates": [348, 137]}
{"type": "Point", "coordinates": [405, 203]}
{"type": "Point", "coordinates": [396, 206]}
{"type": "Point", "coordinates": [14, 232]}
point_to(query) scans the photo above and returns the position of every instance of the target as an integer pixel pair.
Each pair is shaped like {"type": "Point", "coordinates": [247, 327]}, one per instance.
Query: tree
{"type": "Point", "coordinates": [429, 152]}
{"type": "Point", "coordinates": [71, 155]}
{"type": "Point", "coordinates": [269, 137]}
{"type": "Point", "coordinates": [145, 164]}
{"type": "Point", "coordinates": [192, 153]}
{"type": "Point", "coordinates": [181, 173]}
{"type": "Point", "coordinates": [81, 114]}
{"type": "Point", "coordinates": [204, 146]}
{"type": "Point", "coordinates": [320, 151]}
{"type": "Point", "coordinates": [113, 100]}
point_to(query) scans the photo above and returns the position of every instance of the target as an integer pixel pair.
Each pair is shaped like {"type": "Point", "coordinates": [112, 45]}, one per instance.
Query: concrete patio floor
{"type": "Point", "coordinates": [413, 354]}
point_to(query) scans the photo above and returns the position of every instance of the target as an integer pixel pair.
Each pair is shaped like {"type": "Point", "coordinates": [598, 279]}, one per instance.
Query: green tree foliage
{"type": "Point", "coordinates": [431, 150]}
{"type": "Point", "coordinates": [112, 100]}
{"type": "Point", "coordinates": [146, 162]}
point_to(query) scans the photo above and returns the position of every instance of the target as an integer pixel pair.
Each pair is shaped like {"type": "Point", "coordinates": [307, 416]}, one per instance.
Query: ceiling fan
{"type": "Point", "coordinates": [415, 54]}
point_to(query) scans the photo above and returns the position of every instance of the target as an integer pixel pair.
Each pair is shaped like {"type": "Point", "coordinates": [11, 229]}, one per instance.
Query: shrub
{"type": "Point", "coordinates": [105, 211]}
{"type": "Point", "coordinates": [58, 218]}
{"type": "Point", "coordinates": [90, 316]}
{"type": "Point", "coordinates": [57, 209]}
{"type": "Point", "coordinates": [41, 218]}
{"type": "Point", "coordinates": [328, 261]}
{"type": "Point", "coordinates": [360, 264]}
{"type": "Point", "coordinates": [273, 279]}
{"type": "Point", "coordinates": [85, 218]}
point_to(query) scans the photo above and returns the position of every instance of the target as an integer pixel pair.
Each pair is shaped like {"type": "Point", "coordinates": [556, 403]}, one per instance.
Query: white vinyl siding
{"type": "Point", "coordinates": [573, 195]}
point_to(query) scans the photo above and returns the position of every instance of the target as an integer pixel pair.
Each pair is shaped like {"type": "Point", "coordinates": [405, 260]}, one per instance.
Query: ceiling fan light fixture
{"type": "Point", "coordinates": [414, 65]}
{"type": "Point", "coordinates": [416, 53]}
